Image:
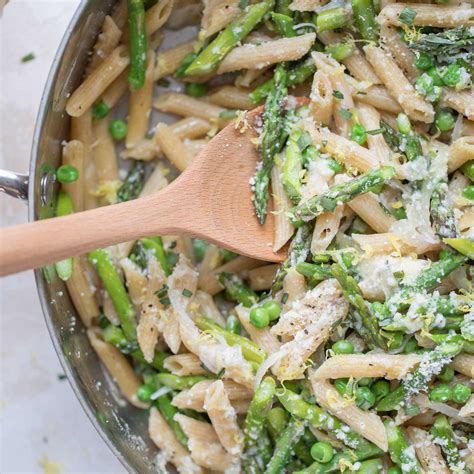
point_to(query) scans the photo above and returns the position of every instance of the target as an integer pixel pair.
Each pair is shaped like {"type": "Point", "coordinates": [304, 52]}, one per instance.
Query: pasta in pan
{"type": "Point", "coordinates": [356, 353]}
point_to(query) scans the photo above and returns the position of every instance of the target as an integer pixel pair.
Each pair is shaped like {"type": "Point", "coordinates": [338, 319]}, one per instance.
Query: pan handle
{"type": "Point", "coordinates": [14, 184]}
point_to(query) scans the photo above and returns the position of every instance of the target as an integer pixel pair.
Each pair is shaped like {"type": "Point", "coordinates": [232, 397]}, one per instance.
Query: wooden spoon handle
{"type": "Point", "coordinates": [43, 242]}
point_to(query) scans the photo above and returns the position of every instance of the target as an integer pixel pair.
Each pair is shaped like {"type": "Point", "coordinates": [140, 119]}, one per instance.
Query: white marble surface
{"type": "Point", "coordinates": [42, 425]}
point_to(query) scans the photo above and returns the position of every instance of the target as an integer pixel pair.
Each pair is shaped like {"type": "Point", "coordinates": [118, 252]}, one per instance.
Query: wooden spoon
{"type": "Point", "coordinates": [211, 200]}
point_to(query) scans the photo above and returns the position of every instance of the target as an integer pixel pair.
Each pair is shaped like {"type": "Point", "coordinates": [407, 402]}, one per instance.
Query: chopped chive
{"type": "Point", "coordinates": [284, 298]}
{"type": "Point", "coordinates": [28, 57]}
{"type": "Point", "coordinates": [338, 94]}
{"type": "Point", "coordinates": [225, 114]}
{"type": "Point", "coordinates": [375, 131]}
{"type": "Point", "coordinates": [221, 373]}
{"type": "Point", "coordinates": [187, 293]}
{"type": "Point", "coordinates": [407, 16]}
{"type": "Point", "coordinates": [345, 113]}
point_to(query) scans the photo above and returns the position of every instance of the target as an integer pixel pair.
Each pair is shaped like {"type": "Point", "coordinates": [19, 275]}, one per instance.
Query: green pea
{"type": "Point", "coordinates": [424, 84]}
{"type": "Point", "coordinates": [394, 470]}
{"type": "Point", "coordinates": [335, 165]}
{"type": "Point", "coordinates": [100, 110]}
{"type": "Point", "coordinates": [381, 388]}
{"type": "Point", "coordinates": [451, 75]}
{"type": "Point", "coordinates": [400, 213]}
{"type": "Point", "coordinates": [343, 346]}
{"type": "Point", "coordinates": [341, 386]}
{"type": "Point", "coordinates": [348, 259]}
{"type": "Point", "coordinates": [67, 174]}
{"type": "Point", "coordinates": [424, 61]}
{"type": "Point", "coordinates": [441, 393]}
{"type": "Point", "coordinates": [364, 398]}
{"type": "Point", "coordinates": [404, 124]}
{"type": "Point", "coordinates": [196, 90]}
{"type": "Point", "coordinates": [446, 374]}
{"type": "Point", "coordinates": [435, 74]}
{"type": "Point", "coordinates": [233, 324]}
{"type": "Point", "coordinates": [145, 392]}
{"type": "Point", "coordinates": [322, 452]}
{"type": "Point", "coordinates": [468, 169]}
{"type": "Point", "coordinates": [365, 381]}
{"type": "Point", "coordinates": [358, 134]}
{"type": "Point", "coordinates": [468, 192]}
{"type": "Point", "coordinates": [118, 129]}
{"type": "Point", "coordinates": [444, 120]}
{"type": "Point", "coordinates": [273, 308]}
{"type": "Point", "coordinates": [411, 346]}
{"type": "Point", "coordinates": [259, 317]}
{"type": "Point", "coordinates": [461, 393]}
{"type": "Point", "coordinates": [394, 339]}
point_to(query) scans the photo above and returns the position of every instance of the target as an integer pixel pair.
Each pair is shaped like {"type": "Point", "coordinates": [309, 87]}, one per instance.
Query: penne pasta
{"type": "Point", "coordinates": [157, 15]}
{"type": "Point", "coordinates": [460, 151]}
{"type": "Point", "coordinates": [231, 97]}
{"type": "Point", "coordinates": [97, 82]}
{"type": "Point", "coordinates": [139, 108]}
{"type": "Point", "coordinates": [322, 101]}
{"type": "Point", "coordinates": [440, 16]}
{"type": "Point", "coordinates": [384, 243]}
{"type": "Point", "coordinates": [367, 365]}
{"type": "Point", "coordinates": [173, 148]}
{"type": "Point", "coordinates": [460, 101]}
{"type": "Point", "coordinates": [107, 41]}
{"type": "Point", "coordinates": [368, 208]}
{"type": "Point", "coordinates": [261, 278]}
{"type": "Point", "coordinates": [413, 104]}
{"type": "Point", "coordinates": [250, 56]}
{"type": "Point", "coordinates": [325, 229]}
{"type": "Point", "coordinates": [184, 364]}
{"type": "Point", "coordinates": [464, 364]}
{"type": "Point", "coordinates": [74, 155]}
{"type": "Point", "coordinates": [168, 61]}
{"type": "Point", "coordinates": [217, 14]}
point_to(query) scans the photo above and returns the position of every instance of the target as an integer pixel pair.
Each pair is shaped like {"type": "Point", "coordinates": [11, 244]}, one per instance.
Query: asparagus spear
{"type": "Point", "coordinates": [431, 364]}
{"type": "Point", "coordinates": [116, 289]}
{"type": "Point", "coordinates": [284, 446]}
{"type": "Point", "coordinates": [401, 453]}
{"type": "Point", "coordinates": [444, 436]}
{"type": "Point", "coordinates": [169, 411]}
{"type": "Point", "coordinates": [270, 143]}
{"type": "Point", "coordinates": [463, 245]}
{"type": "Point", "coordinates": [297, 406]}
{"type": "Point", "coordinates": [283, 24]}
{"type": "Point", "coordinates": [442, 215]}
{"type": "Point", "coordinates": [315, 273]}
{"type": "Point", "coordinates": [353, 295]}
{"type": "Point", "coordinates": [291, 173]}
{"type": "Point", "coordinates": [407, 143]}
{"type": "Point", "coordinates": [138, 44]}
{"type": "Point", "coordinates": [237, 290]}
{"type": "Point", "coordinates": [133, 183]}
{"type": "Point", "coordinates": [251, 351]}
{"type": "Point", "coordinates": [208, 60]}
{"type": "Point", "coordinates": [155, 244]}
{"type": "Point", "coordinates": [297, 253]}
{"type": "Point", "coordinates": [340, 193]}
{"type": "Point", "coordinates": [297, 75]}
{"type": "Point", "coordinates": [364, 18]}
{"type": "Point", "coordinates": [179, 382]}
{"type": "Point", "coordinates": [257, 446]}
{"type": "Point", "coordinates": [283, 7]}
{"type": "Point", "coordinates": [332, 19]}
{"type": "Point", "coordinates": [64, 207]}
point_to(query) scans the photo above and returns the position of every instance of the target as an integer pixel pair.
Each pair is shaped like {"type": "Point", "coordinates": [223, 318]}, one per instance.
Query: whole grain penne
{"type": "Point", "coordinates": [208, 282]}
{"type": "Point", "coordinates": [460, 151]}
{"type": "Point", "coordinates": [366, 423]}
{"type": "Point", "coordinates": [360, 68]}
{"type": "Point", "coordinates": [165, 439]}
{"type": "Point", "coordinates": [325, 229]}
{"type": "Point", "coordinates": [376, 96]}
{"type": "Point", "coordinates": [118, 367]}
{"type": "Point", "coordinates": [468, 408]}
{"type": "Point", "coordinates": [231, 97]}
{"type": "Point", "coordinates": [223, 418]}
{"type": "Point", "coordinates": [439, 16]}
{"type": "Point", "coordinates": [464, 364]}
{"type": "Point", "coordinates": [185, 12]}
{"type": "Point", "coordinates": [217, 14]}
{"type": "Point", "coordinates": [368, 208]}
{"type": "Point", "coordinates": [157, 15]}
{"type": "Point", "coordinates": [261, 278]}
{"type": "Point", "coordinates": [114, 93]}
{"type": "Point", "coordinates": [173, 148]}
{"type": "Point", "coordinates": [460, 101]}
{"type": "Point", "coordinates": [305, 5]}
{"type": "Point", "coordinates": [402, 54]}
{"type": "Point", "coordinates": [195, 147]}
{"type": "Point", "coordinates": [370, 119]}
{"type": "Point", "coordinates": [322, 99]}
{"type": "Point", "coordinates": [294, 286]}
{"type": "Point", "coordinates": [186, 106]}
{"type": "Point", "coordinates": [367, 365]}
{"type": "Point", "coordinates": [413, 104]}
{"type": "Point", "coordinates": [168, 61]}
{"type": "Point", "coordinates": [383, 243]}
{"type": "Point", "coordinates": [139, 107]}
{"type": "Point", "coordinates": [184, 364]}
{"type": "Point", "coordinates": [104, 152]}
{"type": "Point", "coordinates": [97, 82]}
{"type": "Point", "coordinates": [250, 56]}
{"type": "Point", "coordinates": [73, 155]}
{"type": "Point", "coordinates": [107, 41]}
{"type": "Point", "coordinates": [428, 453]}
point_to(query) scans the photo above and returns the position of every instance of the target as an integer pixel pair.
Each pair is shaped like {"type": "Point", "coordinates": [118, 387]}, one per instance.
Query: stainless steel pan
{"type": "Point", "coordinates": [123, 427]}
